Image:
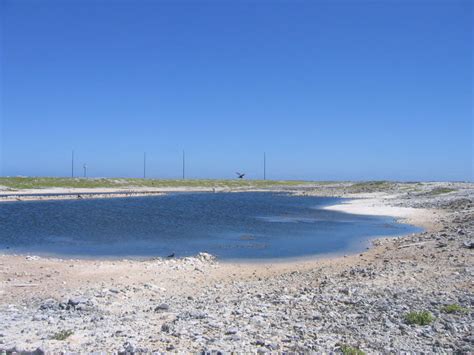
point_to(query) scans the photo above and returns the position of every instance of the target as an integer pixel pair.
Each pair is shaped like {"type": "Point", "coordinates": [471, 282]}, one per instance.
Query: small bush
{"type": "Point", "coordinates": [453, 308]}
{"type": "Point", "coordinates": [419, 318]}
{"type": "Point", "coordinates": [62, 335]}
{"type": "Point", "coordinates": [349, 350]}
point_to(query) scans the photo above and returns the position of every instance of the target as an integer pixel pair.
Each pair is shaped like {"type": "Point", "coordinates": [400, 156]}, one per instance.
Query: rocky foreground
{"type": "Point", "coordinates": [412, 293]}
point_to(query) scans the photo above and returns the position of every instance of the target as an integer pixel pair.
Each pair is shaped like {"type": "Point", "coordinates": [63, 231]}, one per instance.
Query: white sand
{"type": "Point", "coordinates": [376, 204]}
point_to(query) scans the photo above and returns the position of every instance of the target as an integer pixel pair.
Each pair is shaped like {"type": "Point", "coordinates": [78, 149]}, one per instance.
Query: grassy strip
{"type": "Point", "coordinates": [439, 191]}
{"type": "Point", "coordinates": [48, 182]}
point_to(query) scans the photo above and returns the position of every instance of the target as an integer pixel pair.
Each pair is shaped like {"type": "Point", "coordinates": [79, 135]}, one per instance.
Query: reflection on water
{"type": "Point", "coordinates": [229, 225]}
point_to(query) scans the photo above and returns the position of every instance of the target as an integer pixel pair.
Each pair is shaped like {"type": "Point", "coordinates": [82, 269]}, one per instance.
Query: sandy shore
{"type": "Point", "coordinates": [376, 205]}
{"type": "Point", "coordinates": [200, 304]}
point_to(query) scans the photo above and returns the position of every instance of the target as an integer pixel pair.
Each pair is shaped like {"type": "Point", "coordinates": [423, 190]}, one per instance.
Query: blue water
{"type": "Point", "coordinates": [229, 225]}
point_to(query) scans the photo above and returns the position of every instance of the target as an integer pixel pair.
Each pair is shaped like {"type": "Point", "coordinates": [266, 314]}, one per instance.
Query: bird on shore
{"type": "Point", "coordinates": [240, 175]}
{"type": "Point", "coordinates": [171, 255]}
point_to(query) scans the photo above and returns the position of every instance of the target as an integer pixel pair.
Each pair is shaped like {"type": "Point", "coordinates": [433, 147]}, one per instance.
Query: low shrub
{"type": "Point", "coordinates": [350, 350]}
{"type": "Point", "coordinates": [419, 318]}
{"type": "Point", "coordinates": [454, 308]}
{"type": "Point", "coordinates": [62, 335]}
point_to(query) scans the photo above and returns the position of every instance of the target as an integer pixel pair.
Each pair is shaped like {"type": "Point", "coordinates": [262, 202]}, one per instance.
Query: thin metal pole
{"type": "Point", "coordinates": [264, 166]}
{"type": "Point", "coordinates": [144, 165]}
{"type": "Point", "coordinates": [184, 162]}
{"type": "Point", "coordinates": [72, 164]}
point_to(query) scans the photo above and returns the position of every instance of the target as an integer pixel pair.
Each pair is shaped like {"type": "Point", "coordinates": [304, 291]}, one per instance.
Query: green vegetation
{"type": "Point", "coordinates": [419, 318]}
{"type": "Point", "coordinates": [349, 350]}
{"type": "Point", "coordinates": [48, 182]}
{"type": "Point", "coordinates": [62, 335]}
{"type": "Point", "coordinates": [454, 308]}
{"type": "Point", "coordinates": [439, 191]}
{"type": "Point", "coordinates": [371, 186]}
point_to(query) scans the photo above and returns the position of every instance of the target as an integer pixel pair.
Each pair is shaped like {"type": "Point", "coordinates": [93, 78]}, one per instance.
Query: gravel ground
{"type": "Point", "coordinates": [200, 304]}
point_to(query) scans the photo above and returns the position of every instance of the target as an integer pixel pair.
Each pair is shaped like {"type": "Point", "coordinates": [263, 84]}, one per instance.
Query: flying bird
{"type": "Point", "coordinates": [240, 175]}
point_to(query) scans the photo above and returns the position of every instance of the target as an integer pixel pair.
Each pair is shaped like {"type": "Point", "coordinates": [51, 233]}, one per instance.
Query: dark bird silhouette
{"type": "Point", "coordinates": [170, 256]}
{"type": "Point", "coordinates": [240, 175]}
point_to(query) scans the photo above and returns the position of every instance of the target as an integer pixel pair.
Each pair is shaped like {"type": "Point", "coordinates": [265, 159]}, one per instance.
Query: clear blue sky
{"type": "Point", "coordinates": [329, 89]}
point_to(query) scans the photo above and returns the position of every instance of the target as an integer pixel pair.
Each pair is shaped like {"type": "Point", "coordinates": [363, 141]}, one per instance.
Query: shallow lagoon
{"type": "Point", "coordinates": [246, 225]}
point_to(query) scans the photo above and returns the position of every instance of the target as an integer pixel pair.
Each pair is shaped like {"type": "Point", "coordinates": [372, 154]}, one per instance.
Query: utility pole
{"type": "Point", "coordinates": [72, 164]}
{"type": "Point", "coordinates": [144, 165]}
{"type": "Point", "coordinates": [264, 166]}
{"type": "Point", "coordinates": [85, 170]}
{"type": "Point", "coordinates": [184, 161]}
